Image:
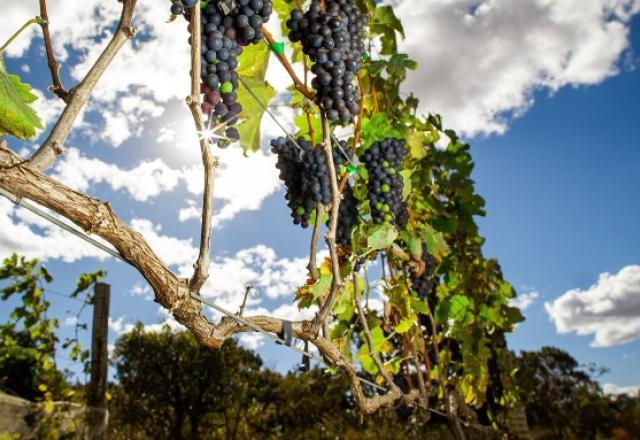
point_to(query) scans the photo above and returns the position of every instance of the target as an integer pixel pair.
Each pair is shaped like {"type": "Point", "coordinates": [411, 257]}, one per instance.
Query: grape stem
{"type": "Point", "coordinates": [424, 400]}
{"type": "Point", "coordinates": [35, 20]}
{"type": "Point", "coordinates": [330, 236]}
{"type": "Point", "coordinates": [367, 335]}
{"type": "Point", "coordinates": [54, 66]}
{"type": "Point", "coordinates": [53, 146]}
{"type": "Point", "coordinates": [313, 266]}
{"type": "Point", "coordinates": [209, 162]}
{"type": "Point", "coordinates": [285, 63]}
{"type": "Point", "coordinates": [358, 131]}
{"type": "Point", "coordinates": [356, 136]}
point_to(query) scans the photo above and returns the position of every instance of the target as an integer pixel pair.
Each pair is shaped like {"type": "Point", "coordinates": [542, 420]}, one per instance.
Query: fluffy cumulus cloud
{"type": "Point", "coordinates": [147, 179]}
{"type": "Point", "coordinates": [613, 389]}
{"type": "Point", "coordinates": [609, 310]}
{"type": "Point", "coordinates": [29, 235]}
{"type": "Point", "coordinates": [273, 277]}
{"type": "Point", "coordinates": [152, 178]}
{"type": "Point", "coordinates": [524, 300]}
{"type": "Point", "coordinates": [152, 70]}
{"type": "Point", "coordinates": [482, 60]}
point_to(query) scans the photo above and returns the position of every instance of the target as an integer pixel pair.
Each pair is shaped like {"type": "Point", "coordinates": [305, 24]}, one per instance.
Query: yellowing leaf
{"type": "Point", "coordinates": [254, 93]}
{"type": "Point", "coordinates": [382, 236]}
{"type": "Point", "coordinates": [404, 325]}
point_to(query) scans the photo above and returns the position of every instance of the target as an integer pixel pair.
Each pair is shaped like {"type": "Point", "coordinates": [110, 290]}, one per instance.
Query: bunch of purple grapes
{"type": "Point", "coordinates": [425, 283]}
{"type": "Point", "coordinates": [226, 27]}
{"type": "Point", "coordinates": [348, 217]}
{"type": "Point", "coordinates": [304, 171]}
{"type": "Point", "coordinates": [383, 161]}
{"type": "Point", "coordinates": [332, 38]}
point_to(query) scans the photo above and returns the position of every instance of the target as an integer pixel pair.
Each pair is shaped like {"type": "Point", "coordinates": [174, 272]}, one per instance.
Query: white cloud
{"type": "Point", "coordinates": [49, 107]}
{"type": "Point", "coordinates": [144, 290]}
{"type": "Point", "coordinates": [613, 389]}
{"type": "Point", "coordinates": [31, 236]}
{"type": "Point", "coordinates": [140, 77]}
{"type": "Point", "coordinates": [524, 300]}
{"type": "Point", "coordinates": [242, 182]}
{"type": "Point", "coordinates": [481, 60]}
{"type": "Point", "coordinates": [147, 179]}
{"type": "Point", "coordinates": [259, 266]}
{"type": "Point", "coordinates": [252, 341]}
{"type": "Point", "coordinates": [171, 250]}
{"type": "Point", "coordinates": [610, 309]}
{"type": "Point", "coordinates": [119, 326]}
{"type": "Point", "coordinates": [291, 312]}
{"type": "Point", "coordinates": [71, 321]}
{"type": "Point", "coordinates": [190, 212]}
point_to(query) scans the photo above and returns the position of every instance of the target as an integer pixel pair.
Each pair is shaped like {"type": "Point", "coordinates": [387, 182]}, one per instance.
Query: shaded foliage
{"type": "Point", "coordinates": [563, 400]}
{"type": "Point", "coordinates": [172, 388]}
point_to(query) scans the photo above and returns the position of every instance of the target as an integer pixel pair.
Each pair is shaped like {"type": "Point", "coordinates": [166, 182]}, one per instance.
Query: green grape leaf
{"type": "Point", "coordinates": [393, 365]}
{"type": "Point", "coordinates": [382, 236]}
{"type": "Point", "coordinates": [386, 24]}
{"type": "Point", "coordinates": [405, 325]}
{"type": "Point", "coordinates": [302, 124]}
{"type": "Point", "coordinates": [376, 128]}
{"type": "Point", "coordinates": [343, 308]}
{"type": "Point", "coordinates": [436, 244]}
{"type": "Point", "coordinates": [416, 141]}
{"type": "Point", "coordinates": [458, 308]}
{"type": "Point", "coordinates": [419, 306]}
{"type": "Point", "coordinates": [414, 243]}
{"type": "Point", "coordinates": [252, 68]}
{"type": "Point", "coordinates": [17, 118]}
{"type": "Point", "coordinates": [406, 183]}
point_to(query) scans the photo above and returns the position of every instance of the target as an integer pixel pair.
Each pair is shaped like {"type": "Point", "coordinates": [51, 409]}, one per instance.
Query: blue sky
{"type": "Point", "coordinates": [560, 178]}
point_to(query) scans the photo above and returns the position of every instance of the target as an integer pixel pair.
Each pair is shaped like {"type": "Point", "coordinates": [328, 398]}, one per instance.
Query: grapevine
{"type": "Point", "coordinates": [439, 336]}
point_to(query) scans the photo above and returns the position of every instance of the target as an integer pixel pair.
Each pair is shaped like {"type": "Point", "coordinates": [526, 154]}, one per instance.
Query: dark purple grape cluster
{"type": "Point", "coordinates": [357, 23]}
{"type": "Point", "coordinates": [226, 27]}
{"type": "Point", "coordinates": [304, 171]}
{"type": "Point", "coordinates": [332, 39]}
{"type": "Point", "coordinates": [348, 217]}
{"type": "Point", "coordinates": [425, 283]}
{"type": "Point", "coordinates": [248, 17]}
{"type": "Point", "coordinates": [383, 161]}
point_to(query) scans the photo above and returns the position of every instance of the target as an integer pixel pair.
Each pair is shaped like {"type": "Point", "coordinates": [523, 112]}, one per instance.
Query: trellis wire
{"type": "Point", "coordinates": [82, 235]}
{"type": "Point", "coordinates": [285, 131]}
{"type": "Point", "coordinates": [33, 208]}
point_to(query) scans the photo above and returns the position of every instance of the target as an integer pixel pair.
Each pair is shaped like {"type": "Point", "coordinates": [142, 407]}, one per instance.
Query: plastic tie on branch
{"type": "Point", "coordinates": [305, 366]}
{"type": "Point", "coordinates": [277, 47]}
{"type": "Point", "coordinates": [287, 333]}
{"type": "Point", "coordinates": [226, 6]}
{"type": "Point", "coordinates": [351, 169]}
{"type": "Point", "coordinates": [366, 56]}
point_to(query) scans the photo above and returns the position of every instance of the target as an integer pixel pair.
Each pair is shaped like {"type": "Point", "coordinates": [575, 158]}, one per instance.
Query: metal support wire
{"type": "Point", "coordinates": [269, 112]}
{"type": "Point", "coordinates": [82, 235]}
{"type": "Point", "coordinates": [274, 337]}
{"type": "Point", "coordinates": [275, 119]}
